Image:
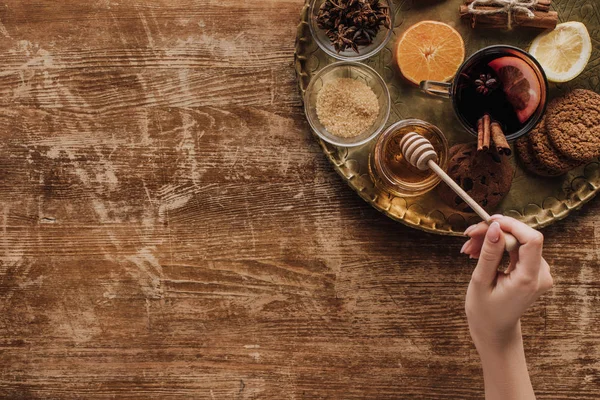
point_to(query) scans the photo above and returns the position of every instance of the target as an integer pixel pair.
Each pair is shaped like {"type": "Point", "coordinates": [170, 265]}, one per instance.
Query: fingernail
{"type": "Point", "coordinates": [496, 216]}
{"type": "Point", "coordinates": [469, 230]}
{"type": "Point", "coordinates": [467, 243]}
{"type": "Point", "coordinates": [494, 232]}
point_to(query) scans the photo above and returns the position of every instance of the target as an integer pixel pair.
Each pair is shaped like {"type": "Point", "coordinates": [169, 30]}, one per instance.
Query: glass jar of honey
{"type": "Point", "coordinates": [392, 173]}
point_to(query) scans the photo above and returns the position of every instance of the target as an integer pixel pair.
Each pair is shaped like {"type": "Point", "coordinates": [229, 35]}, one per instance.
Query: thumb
{"type": "Point", "coordinates": [490, 257]}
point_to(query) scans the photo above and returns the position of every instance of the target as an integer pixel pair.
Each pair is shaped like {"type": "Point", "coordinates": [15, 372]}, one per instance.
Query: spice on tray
{"type": "Point", "coordinates": [484, 129]}
{"type": "Point", "coordinates": [499, 139]}
{"type": "Point", "coordinates": [506, 14]}
{"type": "Point", "coordinates": [490, 132]}
{"type": "Point", "coordinates": [352, 23]}
{"type": "Point", "coordinates": [347, 107]}
{"type": "Point", "coordinates": [480, 147]}
{"type": "Point", "coordinates": [486, 84]}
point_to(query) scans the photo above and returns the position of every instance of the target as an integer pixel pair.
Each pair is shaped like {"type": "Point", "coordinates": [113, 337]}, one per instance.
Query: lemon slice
{"type": "Point", "coordinates": [563, 52]}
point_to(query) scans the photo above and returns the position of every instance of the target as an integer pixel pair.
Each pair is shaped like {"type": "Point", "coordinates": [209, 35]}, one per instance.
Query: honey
{"type": "Point", "coordinates": [392, 173]}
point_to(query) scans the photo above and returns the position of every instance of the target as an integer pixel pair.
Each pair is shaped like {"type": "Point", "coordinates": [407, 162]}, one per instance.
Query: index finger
{"type": "Point", "coordinates": [524, 233]}
{"type": "Point", "coordinates": [532, 241]}
{"type": "Point", "coordinates": [479, 229]}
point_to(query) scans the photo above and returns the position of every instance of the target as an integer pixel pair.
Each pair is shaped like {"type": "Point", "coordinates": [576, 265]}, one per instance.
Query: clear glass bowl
{"type": "Point", "coordinates": [355, 71]}
{"type": "Point", "coordinates": [365, 52]}
{"type": "Point", "coordinates": [392, 173]}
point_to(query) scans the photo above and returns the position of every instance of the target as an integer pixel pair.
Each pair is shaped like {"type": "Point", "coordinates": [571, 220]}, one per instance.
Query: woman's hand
{"type": "Point", "coordinates": [496, 300]}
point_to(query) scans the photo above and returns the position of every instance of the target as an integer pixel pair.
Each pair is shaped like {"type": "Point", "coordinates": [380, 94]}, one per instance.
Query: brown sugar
{"type": "Point", "coordinates": [347, 107]}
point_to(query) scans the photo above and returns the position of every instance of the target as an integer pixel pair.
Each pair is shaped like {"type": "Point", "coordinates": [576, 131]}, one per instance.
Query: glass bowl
{"type": "Point", "coordinates": [356, 71]}
{"type": "Point", "coordinates": [365, 52]}
{"type": "Point", "coordinates": [494, 52]}
{"type": "Point", "coordinates": [392, 173]}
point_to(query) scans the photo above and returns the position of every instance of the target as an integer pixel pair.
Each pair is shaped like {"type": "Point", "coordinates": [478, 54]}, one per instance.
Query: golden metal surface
{"type": "Point", "coordinates": [536, 201]}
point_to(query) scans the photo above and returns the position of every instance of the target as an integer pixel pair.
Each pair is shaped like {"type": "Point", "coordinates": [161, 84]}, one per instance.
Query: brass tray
{"type": "Point", "coordinates": [536, 201]}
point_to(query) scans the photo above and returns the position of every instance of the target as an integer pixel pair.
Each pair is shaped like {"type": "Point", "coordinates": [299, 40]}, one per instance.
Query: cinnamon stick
{"type": "Point", "coordinates": [542, 5]}
{"type": "Point", "coordinates": [499, 139]}
{"type": "Point", "coordinates": [487, 128]}
{"type": "Point", "coordinates": [480, 135]}
{"type": "Point", "coordinates": [541, 19]}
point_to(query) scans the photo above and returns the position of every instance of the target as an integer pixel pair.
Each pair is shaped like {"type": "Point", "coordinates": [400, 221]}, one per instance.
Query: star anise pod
{"type": "Point", "coordinates": [485, 84]}
{"type": "Point", "coordinates": [342, 38]}
{"type": "Point", "coordinates": [364, 36]}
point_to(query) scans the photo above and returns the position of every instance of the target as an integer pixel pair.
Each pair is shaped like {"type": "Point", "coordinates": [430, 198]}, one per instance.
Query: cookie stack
{"type": "Point", "coordinates": [568, 137]}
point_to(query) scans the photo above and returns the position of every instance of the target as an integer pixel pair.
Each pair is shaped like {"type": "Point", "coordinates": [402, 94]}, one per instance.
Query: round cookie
{"type": "Point", "coordinates": [485, 176]}
{"type": "Point", "coordinates": [573, 125]}
{"type": "Point", "coordinates": [529, 160]}
{"type": "Point", "coordinates": [546, 154]}
{"type": "Point", "coordinates": [456, 148]}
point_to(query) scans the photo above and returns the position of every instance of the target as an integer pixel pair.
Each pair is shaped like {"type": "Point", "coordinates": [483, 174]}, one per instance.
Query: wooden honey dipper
{"type": "Point", "coordinates": [419, 152]}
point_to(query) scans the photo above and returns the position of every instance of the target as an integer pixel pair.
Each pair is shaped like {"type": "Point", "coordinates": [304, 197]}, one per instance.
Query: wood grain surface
{"type": "Point", "coordinates": [171, 229]}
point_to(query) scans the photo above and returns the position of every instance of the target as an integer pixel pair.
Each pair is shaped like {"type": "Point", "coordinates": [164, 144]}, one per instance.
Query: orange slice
{"type": "Point", "coordinates": [430, 50]}
{"type": "Point", "coordinates": [520, 84]}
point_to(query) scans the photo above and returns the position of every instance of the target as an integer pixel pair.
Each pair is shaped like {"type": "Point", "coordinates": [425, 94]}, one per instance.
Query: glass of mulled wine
{"type": "Point", "coordinates": [503, 81]}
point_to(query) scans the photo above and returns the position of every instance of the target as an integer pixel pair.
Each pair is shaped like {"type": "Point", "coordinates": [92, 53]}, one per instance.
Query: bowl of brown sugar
{"type": "Point", "coordinates": [347, 104]}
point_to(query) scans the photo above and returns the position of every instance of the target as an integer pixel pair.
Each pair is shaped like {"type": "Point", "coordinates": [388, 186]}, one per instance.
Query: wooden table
{"type": "Point", "coordinates": [171, 229]}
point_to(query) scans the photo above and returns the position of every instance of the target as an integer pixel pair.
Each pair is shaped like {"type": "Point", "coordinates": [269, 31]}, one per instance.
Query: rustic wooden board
{"type": "Point", "coordinates": [170, 228]}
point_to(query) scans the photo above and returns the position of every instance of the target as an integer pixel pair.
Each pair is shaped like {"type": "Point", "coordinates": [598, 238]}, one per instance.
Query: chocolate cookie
{"type": "Point", "coordinates": [529, 160]}
{"type": "Point", "coordinates": [485, 176]}
{"type": "Point", "coordinates": [573, 125]}
{"type": "Point", "coordinates": [546, 153]}
{"type": "Point", "coordinates": [456, 148]}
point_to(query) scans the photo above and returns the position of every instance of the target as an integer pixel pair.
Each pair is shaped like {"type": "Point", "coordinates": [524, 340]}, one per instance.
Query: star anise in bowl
{"type": "Point", "coordinates": [353, 23]}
